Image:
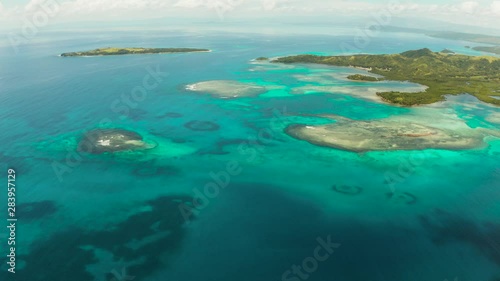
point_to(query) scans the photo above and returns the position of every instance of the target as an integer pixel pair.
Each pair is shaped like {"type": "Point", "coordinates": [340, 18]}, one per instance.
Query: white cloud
{"type": "Point", "coordinates": [495, 7]}
{"type": "Point", "coordinates": [468, 11]}
{"type": "Point", "coordinates": [469, 7]}
{"type": "Point", "coordinates": [190, 3]}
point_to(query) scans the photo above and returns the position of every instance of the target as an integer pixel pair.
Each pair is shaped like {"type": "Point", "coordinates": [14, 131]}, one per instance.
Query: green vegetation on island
{"type": "Point", "coordinates": [446, 51]}
{"type": "Point", "coordinates": [493, 50]}
{"type": "Point", "coordinates": [262, 59]}
{"type": "Point", "coordinates": [131, 51]}
{"type": "Point", "coordinates": [100, 141]}
{"type": "Point", "coordinates": [441, 73]}
{"type": "Point", "coordinates": [359, 77]}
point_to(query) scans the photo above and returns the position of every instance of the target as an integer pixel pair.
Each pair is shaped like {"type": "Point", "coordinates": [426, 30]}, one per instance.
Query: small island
{"type": "Point", "coordinates": [131, 51]}
{"type": "Point", "coordinates": [441, 73]}
{"type": "Point", "coordinates": [100, 141]}
{"type": "Point", "coordinates": [359, 77]}
{"type": "Point", "coordinates": [447, 51]}
{"type": "Point", "coordinates": [262, 59]}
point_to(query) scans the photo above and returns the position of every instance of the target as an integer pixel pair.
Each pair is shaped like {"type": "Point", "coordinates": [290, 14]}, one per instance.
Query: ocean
{"type": "Point", "coordinates": [263, 201]}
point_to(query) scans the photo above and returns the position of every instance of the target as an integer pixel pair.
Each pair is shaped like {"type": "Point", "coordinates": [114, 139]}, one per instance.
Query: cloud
{"type": "Point", "coordinates": [479, 12]}
{"type": "Point", "coordinates": [495, 7]}
{"type": "Point", "coordinates": [190, 4]}
{"type": "Point", "coordinates": [469, 7]}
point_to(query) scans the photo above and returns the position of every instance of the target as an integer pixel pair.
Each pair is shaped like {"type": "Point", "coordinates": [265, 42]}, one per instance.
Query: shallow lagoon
{"type": "Point", "coordinates": [401, 215]}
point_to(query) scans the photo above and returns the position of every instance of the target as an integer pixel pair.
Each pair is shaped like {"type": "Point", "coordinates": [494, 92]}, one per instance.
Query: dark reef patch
{"type": "Point", "coordinates": [179, 140]}
{"type": "Point", "coordinates": [36, 210]}
{"type": "Point", "coordinates": [66, 255]}
{"type": "Point", "coordinates": [170, 115]}
{"type": "Point", "coordinates": [447, 228]}
{"type": "Point", "coordinates": [347, 189]}
{"type": "Point", "coordinates": [137, 114]}
{"type": "Point", "coordinates": [151, 168]}
{"type": "Point", "coordinates": [59, 257]}
{"type": "Point", "coordinates": [202, 126]}
{"type": "Point", "coordinates": [218, 148]}
{"type": "Point", "coordinates": [16, 163]}
{"type": "Point", "coordinates": [404, 197]}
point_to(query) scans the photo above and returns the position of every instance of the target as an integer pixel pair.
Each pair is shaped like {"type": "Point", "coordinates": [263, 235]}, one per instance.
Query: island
{"type": "Point", "coordinates": [359, 77]}
{"type": "Point", "coordinates": [388, 134]}
{"type": "Point", "coordinates": [262, 59]}
{"type": "Point", "coordinates": [110, 51]}
{"type": "Point", "coordinates": [447, 51]}
{"type": "Point", "coordinates": [100, 141]}
{"type": "Point", "coordinates": [486, 49]}
{"type": "Point", "coordinates": [442, 74]}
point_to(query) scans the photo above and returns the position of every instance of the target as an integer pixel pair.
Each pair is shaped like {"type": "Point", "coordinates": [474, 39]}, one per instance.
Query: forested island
{"type": "Point", "coordinates": [447, 51]}
{"type": "Point", "coordinates": [443, 74]}
{"type": "Point", "coordinates": [359, 77]}
{"type": "Point", "coordinates": [131, 51]}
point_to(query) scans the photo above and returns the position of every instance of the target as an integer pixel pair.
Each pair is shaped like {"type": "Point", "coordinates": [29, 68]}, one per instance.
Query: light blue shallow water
{"type": "Point", "coordinates": [108, 212]}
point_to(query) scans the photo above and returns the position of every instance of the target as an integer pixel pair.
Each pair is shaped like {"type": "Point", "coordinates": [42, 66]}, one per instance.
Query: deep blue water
{"type": "Point", "coordinates": [104, 213]}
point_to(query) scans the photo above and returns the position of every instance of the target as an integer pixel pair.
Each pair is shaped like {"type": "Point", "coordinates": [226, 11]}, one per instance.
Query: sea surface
{"type": "Point", "coordinates": [267, 198]}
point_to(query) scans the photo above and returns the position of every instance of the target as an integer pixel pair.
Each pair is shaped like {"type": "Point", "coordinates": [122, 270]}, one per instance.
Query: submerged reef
{"type": "Point", "coordinates": [447, 228]}
{"type": "Point", "coordinates": [347, 189]}
{"type": "Point", "coordinates": [138, 246]}
{"type": "Point", "coordinates": [197, 125]}
{"type": "Point", "coordinates": [402, 197]}
{"type": "Point", "coordinates": [170, 115]}
{"type": "Point", "coordinates": [227, 89]}
{"type": "Point", "coordinates": [36, 210]}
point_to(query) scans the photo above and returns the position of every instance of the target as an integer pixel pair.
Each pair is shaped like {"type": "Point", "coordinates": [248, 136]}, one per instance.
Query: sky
{"type": "Point", "coordinates": [15, 14]}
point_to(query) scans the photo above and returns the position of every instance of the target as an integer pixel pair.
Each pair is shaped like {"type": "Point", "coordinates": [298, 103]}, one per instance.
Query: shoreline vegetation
{"type": "Point", "coordinates": [443, 74]}
{"type": "Point", "coordinates": [109, 51]}
{"type": "Point", "coordinates": [360, 77]}
{"type": "Point", "coordinates": [262, 59]}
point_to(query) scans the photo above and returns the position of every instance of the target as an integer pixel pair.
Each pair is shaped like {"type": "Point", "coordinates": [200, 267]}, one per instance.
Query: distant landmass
{"type": "Point", "coordinates": [471, 37]}
{"type": "Point", "coordinates": [131, 51]}
{"type": "Point", "coordinates": [494, 50]}
{"type": "Point", "coordinates": [443, 74]}
{"type": "Point", "coordinates": [476, 38]}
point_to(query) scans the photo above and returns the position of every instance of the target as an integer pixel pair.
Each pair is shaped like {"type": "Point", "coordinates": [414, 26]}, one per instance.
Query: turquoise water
{"type": "Point", "coordinates": [415, 215]}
